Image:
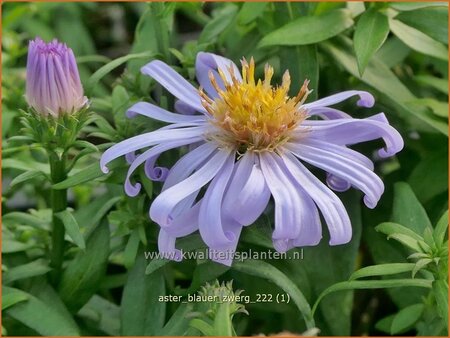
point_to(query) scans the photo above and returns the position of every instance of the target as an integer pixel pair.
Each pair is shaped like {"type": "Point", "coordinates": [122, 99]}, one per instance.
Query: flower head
{"type": "Point", "coordinates": [53, 83]}
{"type": "Point", "coordinates": [248, 143]}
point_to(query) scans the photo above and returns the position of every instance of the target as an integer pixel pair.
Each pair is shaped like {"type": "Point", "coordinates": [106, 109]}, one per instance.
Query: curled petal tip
{"type": "Point", "coordinates": [366, 100]}
{"type": "Point", "coordinates": [132, 190]}
{"type": "Point", "coordinates": [130, 114]}
{"type": "Point", "coordinates": [340, 241]}
{"type": "Point", "coordinates": [281, 245]}
{"type": "Point", "coordinates": [370, 203]}
{"type": "Point", "coordinates": [104, 169]}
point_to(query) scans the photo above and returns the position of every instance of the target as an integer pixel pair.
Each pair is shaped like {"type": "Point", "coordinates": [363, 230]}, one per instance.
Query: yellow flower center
{"type": "Point", "coordinates": [255, 115]}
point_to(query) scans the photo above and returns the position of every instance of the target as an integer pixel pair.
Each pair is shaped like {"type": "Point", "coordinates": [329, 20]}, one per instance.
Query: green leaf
{"type": "Point", "coordinates": [434, 82]}
{"type": "Point", "coordinates": [24, 218]}
{"type": "Point", "coordinates": [36, 268]}
{"type": "Point", "coordinates": [408, 211]}
{"type": "Point", "coordinates": [221, 21]}
{"type": "Point", "coordinates": [390, 228]}
{"type": "Point", "coordinates": [187, 243]}
{"type": "Point", "coordinates": [334, 315]}
{"type": "Point", "coordinates": [303, 65]}
{"type": "Point", "coordinates": [12, 163]}
{"type": "Point", "coordinates": [41, 316]}
{"type": "Point", "coordinates": [26, 176]}
{"type": "Point", "coordinates": [410, 6]}
{"type": "Point", "coordinates": [440, 291]}
{"type": "Point", "coordinates": [131, 249]}
{"type": "Point", "coordinates": [384, 324]}
{"type": "Point", "coordinates": [87, 174]}
{"type": "Point", "coordinates": [371, 31]}
{"type": "Point", "coordinates": [418, 41]}
{"type": "Point", "coordinates": [430, 177]}
{"type": "Point", "coordinates": [81, 279]}
{"type": "Point", "coordinates": [393, 52]}
{"type": "Point", "coordinates": [406, 318]}
{"type": "Point", "coordinates": [382, 270]}
{"type": "Point", "coordinates": [91, 214]}
{"type": "Point", "coordinates": [420, 264]}
{"type": "Point", "coordinates": [373, 284]}
{"type": "Point", "coordinates": [380, 77]}
{"type": "Point", "coordinates": [11, 246]}
{"type": "Point", "coordinates": [432, 21]}
{"type": "Point", "coordinates": [407, 241]}
{"type": "Point", "coordinates": [142, 313]}
{"type": "Point", "coordinates": [155, 264]}
{"type": "Point", "coordinates": [205, 272]}
{"type": "Point", "coordinates": [441, 229]}
{"type": "Point", "coordinates": [11, 297]}
{"type": "Point", "coordinates": [438, 107]}
{"type": "Point", "coordinates": [145, 38]}
{"type": "Point", "coordinates": [110, 66]}
{"type": "Point", "coordinates": [250, 11]}
{"type": "Point", "coordinates": [309, 29]}
{"type": "Point", "coordinates": [72, 228]}
{"type": "Point", "coordinates": [271, 273]}
{"type": "Point", "coordinates": [179, 322]}
{"type": "Point", "coordinates": [104, 314]}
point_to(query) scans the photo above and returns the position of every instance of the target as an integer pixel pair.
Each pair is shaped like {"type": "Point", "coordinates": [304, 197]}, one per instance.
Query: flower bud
{"type": "Point", "coordinates": [53, 82]}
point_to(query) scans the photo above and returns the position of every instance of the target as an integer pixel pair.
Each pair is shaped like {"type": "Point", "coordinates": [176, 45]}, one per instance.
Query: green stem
{"type": "Point", "coordinates": [58, 203]}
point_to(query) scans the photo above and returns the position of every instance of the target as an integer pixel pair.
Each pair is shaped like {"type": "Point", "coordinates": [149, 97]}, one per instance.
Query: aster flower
{"type": "Point", "coordinates": [53, 83]}
{"type": "Point", "coordinates": [249, 141]}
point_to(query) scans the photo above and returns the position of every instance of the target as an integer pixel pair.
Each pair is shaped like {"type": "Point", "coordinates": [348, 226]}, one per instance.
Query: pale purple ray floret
{"type": "Point", "coordinates": [242, 153]}
{"type": "Point", "coordinates": [53, 85]}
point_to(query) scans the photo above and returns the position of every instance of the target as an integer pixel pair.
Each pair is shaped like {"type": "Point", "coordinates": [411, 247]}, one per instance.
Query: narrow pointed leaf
{"type": "Point", "coordinates": [26, 176]}
{"type": "Point", "coordinates": [390, 228]}
{"type": "Point", "coordinates": [42, 317]}
{"type": "Point", "coordinates": [418, 41]}
{"type": "Point", "coordinates": [82, 277]}
{"type": "Point", "coordinates": [28, 270]}
{"type": "Point", "coordinates": [373, 284]}
{"type": "Point", "coordinates": [441, 229]}
{"type": "Point", "coordinates": [371, 31]}
{"type": "Point", "coordinates": [406, 318]}
{"type": "Point", "coordinates": [72, 228]}
{"type": "Point", "coordinates": [309, 29]}
{"type": "Point", "coordinates": [382, 270]}
{"type": "Point", "coordinates": [267, 271]}
{"type": "Point", "coordinates": [440, 290]}
{"type": "Point", "coordinates": [85, 175]}
{"type": "Point", "coordinates": [11, 297]}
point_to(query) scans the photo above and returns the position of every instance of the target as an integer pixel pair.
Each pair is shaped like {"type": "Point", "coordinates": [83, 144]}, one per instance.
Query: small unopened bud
{"type": "Point", "coordinates": [53, 82]}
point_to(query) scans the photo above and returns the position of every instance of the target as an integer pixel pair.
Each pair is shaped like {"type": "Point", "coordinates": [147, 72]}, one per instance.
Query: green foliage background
{"type": "Point", "coordinates": [397, 51]}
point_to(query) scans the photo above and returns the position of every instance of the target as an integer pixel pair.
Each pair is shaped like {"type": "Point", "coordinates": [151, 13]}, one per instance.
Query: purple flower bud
{"type": "Point", "coordinates": [53, 81]}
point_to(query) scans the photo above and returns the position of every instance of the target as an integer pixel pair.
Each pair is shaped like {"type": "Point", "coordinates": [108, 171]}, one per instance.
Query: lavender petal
{"type": "Point", "coordinates": [157, 113]}
{"type": "Point", "coordinates": [343, 167]}
{"type": "Point", "coordinates": [330, 205]}
{"type": "Point", "coordinates": [208, 62]}
{"type": "Point", "coordinates": [163, 205]}
{"type": "Point", "coordinates": [174, 83]}
{"type": "Point", "coordinates": [132, 190]}
{"type": "Point", "coordinates": [365, 99]}
{"type": "Point", "coordinates": [210, 217]}
{"type": "Point", "coordinates": [247, 195]}
{"type": "Point", "coordinates": [166, 246]}
{"type": "Point", "coordinates": [146, 140]}
{"type": "Point", "coordinates": [353, 131]}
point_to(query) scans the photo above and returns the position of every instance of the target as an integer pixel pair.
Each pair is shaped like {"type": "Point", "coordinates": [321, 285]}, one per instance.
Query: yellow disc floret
{"type": "Point", "coordinates": [255, 115]}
